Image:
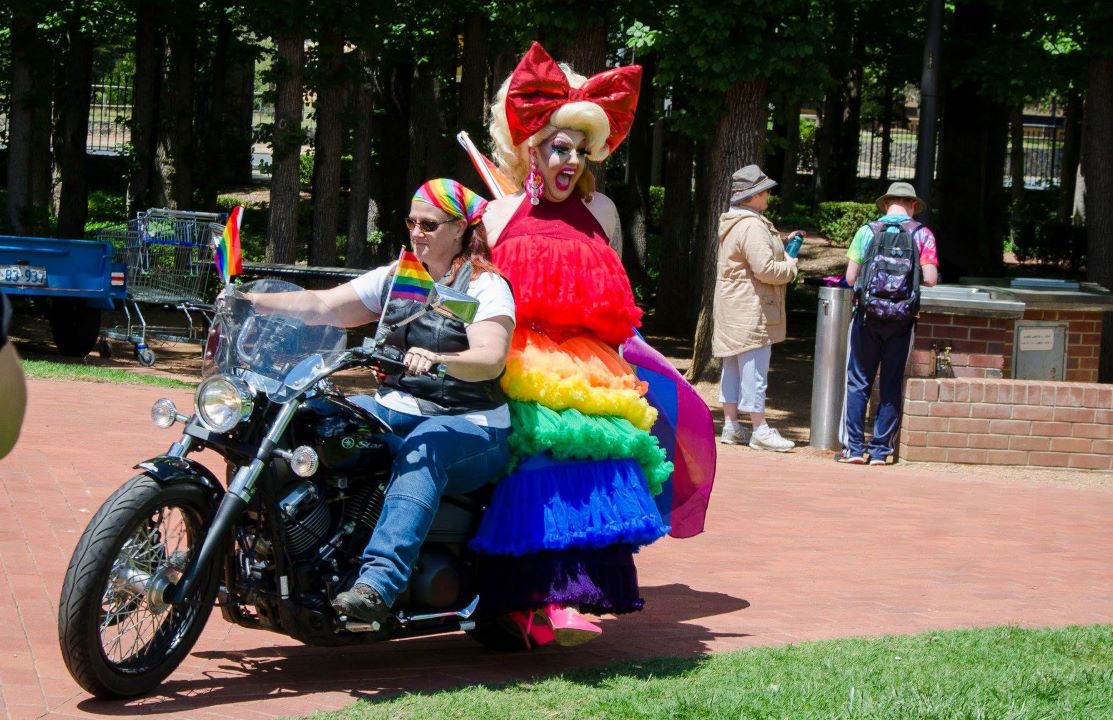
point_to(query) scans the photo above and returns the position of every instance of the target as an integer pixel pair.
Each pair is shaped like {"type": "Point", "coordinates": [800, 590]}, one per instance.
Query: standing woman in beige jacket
{"type": "Point", "coordinates": [752, 273]}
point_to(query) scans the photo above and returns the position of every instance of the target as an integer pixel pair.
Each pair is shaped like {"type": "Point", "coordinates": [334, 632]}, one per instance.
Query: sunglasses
{"type": "Point", "coordinates": [427, 226]}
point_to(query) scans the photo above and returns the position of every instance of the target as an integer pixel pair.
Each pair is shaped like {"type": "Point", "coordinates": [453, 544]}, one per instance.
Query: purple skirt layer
{"type": "Point", "coordinates": [597, 581]}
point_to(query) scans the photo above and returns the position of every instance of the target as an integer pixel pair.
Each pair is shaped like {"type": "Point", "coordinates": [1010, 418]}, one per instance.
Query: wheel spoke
{"type": "Point", "coordinates": [130, 627]}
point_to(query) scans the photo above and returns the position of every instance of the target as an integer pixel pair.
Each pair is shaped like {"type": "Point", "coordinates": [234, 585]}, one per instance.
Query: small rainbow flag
{"type": "Point", "coordinates": [411, 280]}
{"type": "Point", "coordinates": [228, 256]}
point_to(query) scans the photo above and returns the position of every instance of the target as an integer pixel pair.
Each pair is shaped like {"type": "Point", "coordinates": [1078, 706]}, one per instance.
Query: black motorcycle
{"type": "Point", "coordinates": [307, 469]}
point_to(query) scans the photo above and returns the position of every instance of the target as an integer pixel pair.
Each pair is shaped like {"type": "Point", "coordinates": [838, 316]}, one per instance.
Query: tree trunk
{"type": "Point", "coordinates": [633, 205]}
{"type": "Point", "coordinates": [362, 213]}
{"type": "Point", "coordinates": [1068, 168]}
{"type": "Point", "coordinates": [182, 150]}
{"type": "Point", "coordinates": [226, 124]}
{"type": "Point", "coordinates": [286, 142]}
{"type": "Point", "coordinates": [472, 115]}
{"type": "Point", "coordinates": [328, 148]}
{"type": "Point", "coordinates": [71, 129]}
{"type": "Point", "coordinates": [389, 191]}
{"type": "Point", "coordinates": [24, 38]}
{"type": "Point", "coordinates": [586, 52]}
{"type": "Point", "coordinates": [146, 88]}
{"type": "Point", "coordinates": [886, 133]}
{"type": "Point", "coordinates": [1097, 160]}
{"type": "Point", "coordinates": [967, 173]}
{"type": "Point", "coordinates": [426, 128]}
{"type": "Point", "coordinates": [739, 140]}
{"type": "Point", "coordinates": [1016, 155]}
{"type": "Point", "coordinates": [677, 237]}
{"type": "Point", "coordinates": [791, 119]}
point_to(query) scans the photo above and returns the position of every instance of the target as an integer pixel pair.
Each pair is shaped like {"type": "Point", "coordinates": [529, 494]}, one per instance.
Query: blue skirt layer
{"type": "Point", "coordinates": [551, 505]}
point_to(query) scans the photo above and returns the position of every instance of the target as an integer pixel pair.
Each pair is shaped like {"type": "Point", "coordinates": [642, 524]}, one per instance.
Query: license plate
{"type": "Point", "coordinates": [22, 275]}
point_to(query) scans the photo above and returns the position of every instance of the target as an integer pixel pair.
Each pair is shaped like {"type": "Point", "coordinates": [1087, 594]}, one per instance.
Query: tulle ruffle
{"type": "Point", "coordinates": [569, 283]}
{"type": "Point", "coordinates": [547, 504]}
{"type": "Point", "coordinates": [570, 434]}
{"type": "Point", "coordinates": [599, 364]}
{"type": "Point", "coordinates": [594, 581]}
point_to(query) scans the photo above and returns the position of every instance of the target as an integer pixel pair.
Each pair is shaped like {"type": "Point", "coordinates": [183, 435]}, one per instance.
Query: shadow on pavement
{"type": "Point", "coordinates": [435, 664]}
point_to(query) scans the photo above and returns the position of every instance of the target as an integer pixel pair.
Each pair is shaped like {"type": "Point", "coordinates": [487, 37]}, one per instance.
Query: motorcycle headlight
{"type": "Point", "coordinates": [223, 401]}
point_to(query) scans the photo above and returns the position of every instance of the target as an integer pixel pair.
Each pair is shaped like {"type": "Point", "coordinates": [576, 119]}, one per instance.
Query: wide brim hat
{"type": "Point", "coordinates": [747, 182]}
{"type": "Point", "coordinates": [901, 190]}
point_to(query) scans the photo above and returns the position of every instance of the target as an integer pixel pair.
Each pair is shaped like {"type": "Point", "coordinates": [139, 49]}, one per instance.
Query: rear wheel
{"type": "Point", "coordinates": [119, 637]}
{"type": "Point", "coordinates": [74, 325]}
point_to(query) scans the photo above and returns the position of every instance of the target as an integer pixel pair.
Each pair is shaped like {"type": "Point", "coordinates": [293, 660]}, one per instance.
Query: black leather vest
{"type": "Point", "coordinates": [433, 331]}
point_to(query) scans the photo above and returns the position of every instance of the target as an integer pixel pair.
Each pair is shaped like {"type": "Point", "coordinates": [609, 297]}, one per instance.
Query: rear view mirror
{"type": "Point", "coordinates": [452, 303]}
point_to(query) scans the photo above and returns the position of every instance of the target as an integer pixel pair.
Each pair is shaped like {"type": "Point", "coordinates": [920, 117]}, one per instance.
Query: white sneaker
{"type": "Point", "coordinates": [770, 439]}
{"type": "Point", "coordinates": [741, 436]}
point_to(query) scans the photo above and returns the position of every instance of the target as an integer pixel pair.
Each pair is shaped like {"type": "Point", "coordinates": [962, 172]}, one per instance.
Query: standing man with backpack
{"type": "Point", "coordinates": [890, 259]}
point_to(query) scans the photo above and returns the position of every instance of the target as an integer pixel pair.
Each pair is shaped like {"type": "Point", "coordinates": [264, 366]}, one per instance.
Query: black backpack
{"type": "Point", "coordinates": [888, 286]}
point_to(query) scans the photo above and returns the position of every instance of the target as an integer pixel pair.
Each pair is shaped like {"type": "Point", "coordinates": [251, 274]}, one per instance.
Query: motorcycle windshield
{"type": "Point", "coordinates": [247, 341]}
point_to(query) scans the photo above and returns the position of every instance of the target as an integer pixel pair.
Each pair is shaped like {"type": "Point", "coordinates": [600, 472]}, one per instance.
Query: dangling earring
{"type": "Point", "coordinates": [534, 183]}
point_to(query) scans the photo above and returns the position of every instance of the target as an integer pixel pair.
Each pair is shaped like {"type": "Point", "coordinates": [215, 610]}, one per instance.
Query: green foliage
{"type": "Point", "coordinates": [805, 151]}
{"type": "Point", "coordinates": [798, 219]}
{"type": "Point", "coordinates": [253, 226]}
{"type": "Point", "coordinates": [107, 206]}
{"type": "Point", "coordinates": [1036, 233]}
{"type": "Point", "coordinates": [656, 207]}
{"type": "Point", "coordinates": [838, 221]}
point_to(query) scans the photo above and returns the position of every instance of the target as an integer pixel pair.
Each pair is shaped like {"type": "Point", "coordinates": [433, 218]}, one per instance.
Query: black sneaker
{"type": "Point", "coordinates": [846, 457]}
{"type": "Point", "coordinates": [362, 603]}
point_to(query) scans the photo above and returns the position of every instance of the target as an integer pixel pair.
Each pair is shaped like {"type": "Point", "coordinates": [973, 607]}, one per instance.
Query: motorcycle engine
{"type": "Point", "coordinates": [306, 518]}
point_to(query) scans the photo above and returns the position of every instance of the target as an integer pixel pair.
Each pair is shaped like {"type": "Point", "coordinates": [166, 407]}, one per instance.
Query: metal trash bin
{"type": "Point", "coordinates": [832, 326]}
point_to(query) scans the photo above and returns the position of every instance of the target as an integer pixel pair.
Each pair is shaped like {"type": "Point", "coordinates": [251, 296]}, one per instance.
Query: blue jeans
{"type": "Point", "coordinates": [436, 455]}
{"type": "Point", "coordinates": [875, 346]}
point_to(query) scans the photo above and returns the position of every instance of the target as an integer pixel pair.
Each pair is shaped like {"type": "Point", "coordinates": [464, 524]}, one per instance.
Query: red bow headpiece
{"type": "Point", "coordinates": [538, 87]}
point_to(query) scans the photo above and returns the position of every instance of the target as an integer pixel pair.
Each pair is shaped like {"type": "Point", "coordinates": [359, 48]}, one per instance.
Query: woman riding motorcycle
{"type": "Point", "coordinates": [454, 428]}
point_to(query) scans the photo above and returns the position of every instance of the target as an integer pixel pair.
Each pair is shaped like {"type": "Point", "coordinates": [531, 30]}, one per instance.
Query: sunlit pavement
{"type": "Point", "coordinates": [797, 548]}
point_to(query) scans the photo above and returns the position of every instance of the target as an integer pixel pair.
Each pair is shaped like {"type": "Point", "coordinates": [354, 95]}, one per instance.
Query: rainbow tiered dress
{"type": "Point", "coordinates": [564, 524]}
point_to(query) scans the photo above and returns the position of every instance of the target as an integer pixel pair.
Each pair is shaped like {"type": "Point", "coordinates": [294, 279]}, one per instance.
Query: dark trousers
{"type": "Point", "coordinates": [875, 346]}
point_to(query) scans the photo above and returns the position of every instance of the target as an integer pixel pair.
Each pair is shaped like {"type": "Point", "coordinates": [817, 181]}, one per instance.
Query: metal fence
{"type": "Point", "coordinates": [1043, 154]}
{"type": "Point", "coordinates": [110, 115]}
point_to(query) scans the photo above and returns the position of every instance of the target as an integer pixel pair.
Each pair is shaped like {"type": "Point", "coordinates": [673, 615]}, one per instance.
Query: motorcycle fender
{"type": "Point", "coordinates": [169, 470]}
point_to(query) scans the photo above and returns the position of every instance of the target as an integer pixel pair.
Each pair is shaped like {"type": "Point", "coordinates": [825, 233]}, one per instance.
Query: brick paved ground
{"type": "Point", "coordinates": [797, 548]}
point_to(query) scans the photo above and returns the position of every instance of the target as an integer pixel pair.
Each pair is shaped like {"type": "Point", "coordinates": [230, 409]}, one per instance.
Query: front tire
{"type": "Point", "coordinates": [117, 639]}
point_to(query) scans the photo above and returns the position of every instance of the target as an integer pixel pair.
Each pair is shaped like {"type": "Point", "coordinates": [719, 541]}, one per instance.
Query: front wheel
{"type": "Point", "coordinates": [118, 637]}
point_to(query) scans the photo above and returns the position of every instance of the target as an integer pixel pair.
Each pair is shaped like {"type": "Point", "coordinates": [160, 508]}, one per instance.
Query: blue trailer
{"type": "Point", "coordinates": [79, 277]}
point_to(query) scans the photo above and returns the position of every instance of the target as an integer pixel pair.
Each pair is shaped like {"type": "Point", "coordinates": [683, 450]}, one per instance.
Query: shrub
{"type": "Point", "coordinates": [1036, 233]}
{"type": "Point", "coordinates": [656, 207]}
{"type": "Point", "coordinates": [805, 151]}
{"type": "Point", "coordinates": [838, 221]}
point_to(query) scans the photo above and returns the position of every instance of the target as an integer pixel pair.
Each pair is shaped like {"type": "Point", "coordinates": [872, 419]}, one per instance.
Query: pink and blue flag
{"type": "Point", "coordinates": [685, 430]}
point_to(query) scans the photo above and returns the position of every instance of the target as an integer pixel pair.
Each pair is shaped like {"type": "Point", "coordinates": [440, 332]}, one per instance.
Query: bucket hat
{"type": "Point", "coordinates": [901, 190]}
{"type": "Point", "coordinates": [747, 182]}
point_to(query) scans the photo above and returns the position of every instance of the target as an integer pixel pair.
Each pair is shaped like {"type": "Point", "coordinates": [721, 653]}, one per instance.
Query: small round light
{"type": "Point", "coordinates": [222, 402]}
{"type": "Point", "coordinates": [304, 461]}
{"type": "Point", "coordinates": [164, 413]}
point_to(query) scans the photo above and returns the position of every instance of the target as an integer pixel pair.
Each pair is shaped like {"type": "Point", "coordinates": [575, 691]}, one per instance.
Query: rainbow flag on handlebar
{"type": "Point", "coordinates": [411, 280]}
{"type": "Point", "coordinates": [227, 253]}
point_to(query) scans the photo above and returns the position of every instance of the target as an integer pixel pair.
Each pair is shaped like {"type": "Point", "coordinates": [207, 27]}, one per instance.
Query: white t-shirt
{"type": "Point", "coordinates": [495, 300]}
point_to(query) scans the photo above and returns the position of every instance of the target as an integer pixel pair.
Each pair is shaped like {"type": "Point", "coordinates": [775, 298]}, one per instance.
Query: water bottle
{"type": "Point", "coordinates": [794, 245]}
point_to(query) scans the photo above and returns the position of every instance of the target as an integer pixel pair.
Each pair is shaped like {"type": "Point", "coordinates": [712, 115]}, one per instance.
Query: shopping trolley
{"type": "Point", "coordinates": [169, 258]}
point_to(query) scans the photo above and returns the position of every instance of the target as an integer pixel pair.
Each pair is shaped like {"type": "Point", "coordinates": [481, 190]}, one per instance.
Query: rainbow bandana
{"type": "Point", "coordinates": [452, 198]}
{"type": "Point", "coordinates": [411, 280]}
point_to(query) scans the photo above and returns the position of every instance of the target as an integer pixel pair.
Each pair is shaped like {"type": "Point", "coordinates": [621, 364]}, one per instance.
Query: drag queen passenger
{"type": "Point", "coordinates": [562, 527]}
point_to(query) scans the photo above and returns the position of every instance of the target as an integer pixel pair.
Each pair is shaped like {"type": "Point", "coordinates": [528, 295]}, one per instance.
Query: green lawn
{"type": "Point", "coordinates": [995, 674]}
{"type": "Point", "coordinates": [46, 370]}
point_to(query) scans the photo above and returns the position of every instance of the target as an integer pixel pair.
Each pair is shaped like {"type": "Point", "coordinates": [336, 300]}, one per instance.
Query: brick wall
{"type": "Point", "coordinates": [1008, 422]}
{"type": "Point", "coordinates": [983, 347]}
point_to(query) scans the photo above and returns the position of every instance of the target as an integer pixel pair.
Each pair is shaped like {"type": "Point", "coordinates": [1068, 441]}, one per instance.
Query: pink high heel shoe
{"type": "Point", "coordinates": [540, 632]}
{"type": "Point", "coordinates": [568, 626]}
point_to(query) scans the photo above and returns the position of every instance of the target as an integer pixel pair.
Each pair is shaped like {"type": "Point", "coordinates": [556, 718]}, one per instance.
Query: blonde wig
{"type": "Point", "coordinates": [587, 117]}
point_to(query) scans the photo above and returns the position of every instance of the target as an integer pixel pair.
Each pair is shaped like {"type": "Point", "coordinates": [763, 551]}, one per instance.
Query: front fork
{"type": "Point", "coordinates": [239, 494]}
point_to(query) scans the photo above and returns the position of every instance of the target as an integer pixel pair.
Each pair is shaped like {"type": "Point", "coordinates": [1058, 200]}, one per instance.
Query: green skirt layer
{"type": "Point", "coordinates": [569, 434]}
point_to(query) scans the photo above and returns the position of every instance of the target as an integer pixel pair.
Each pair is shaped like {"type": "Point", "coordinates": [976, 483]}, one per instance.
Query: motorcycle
{"type": "Point", "coordinates": [307, 471]}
